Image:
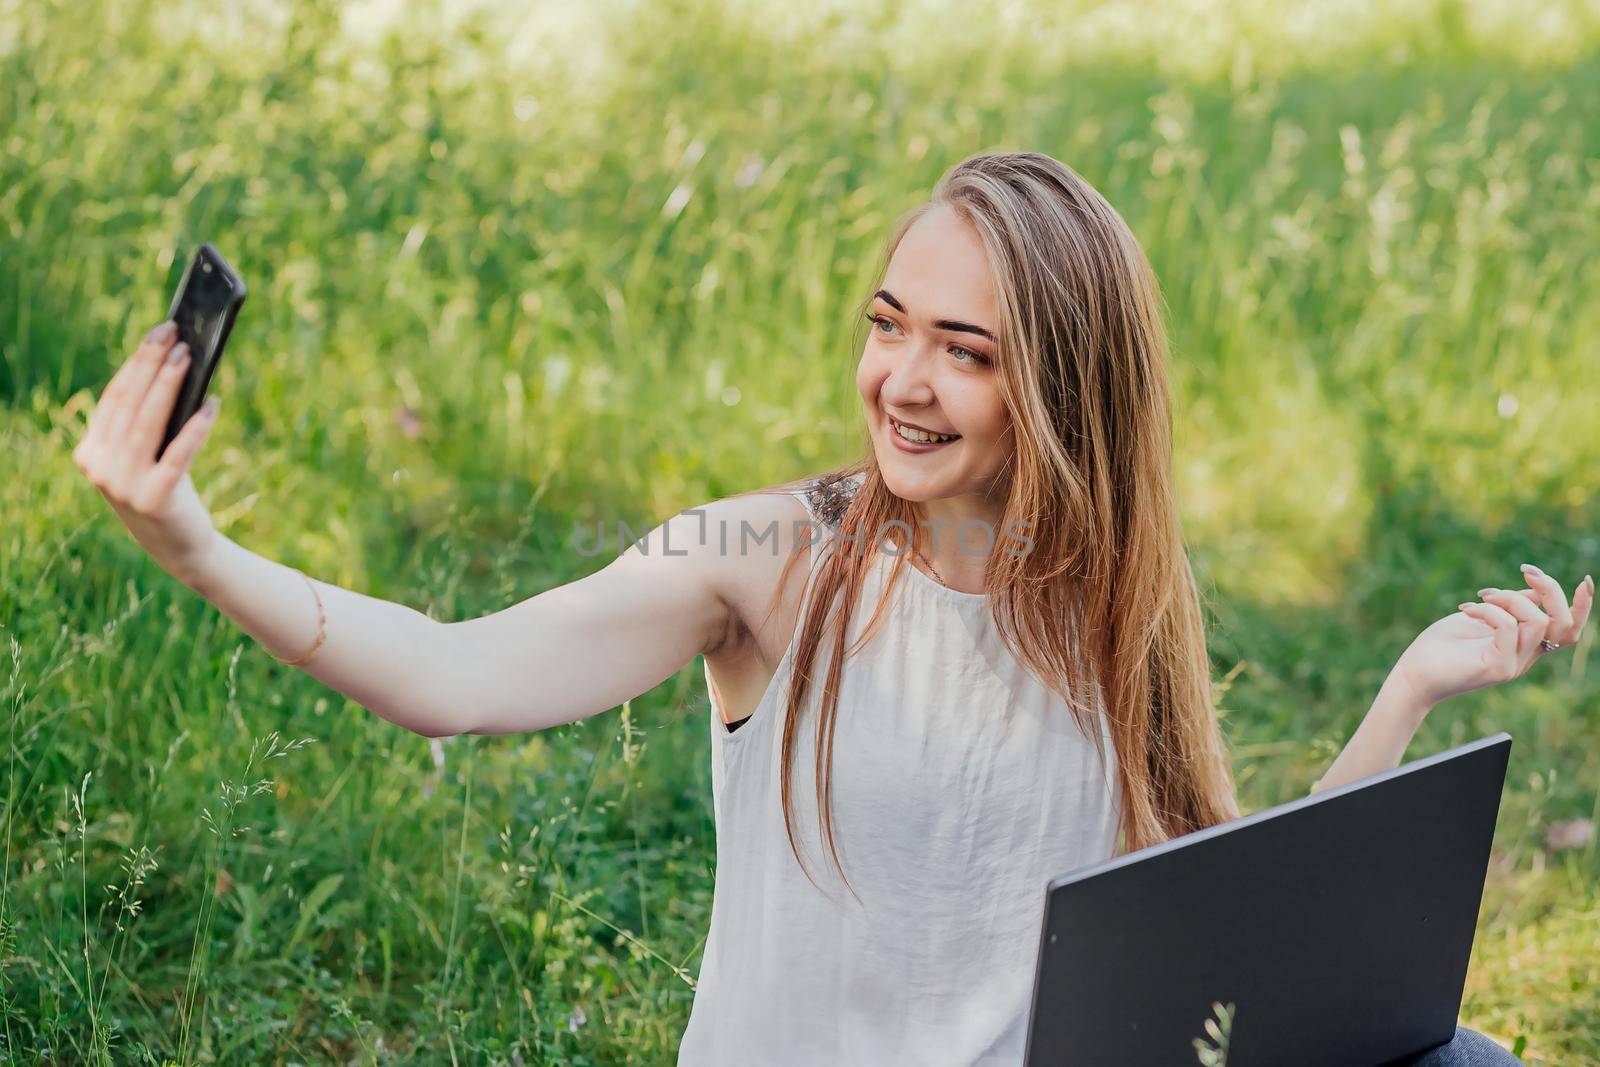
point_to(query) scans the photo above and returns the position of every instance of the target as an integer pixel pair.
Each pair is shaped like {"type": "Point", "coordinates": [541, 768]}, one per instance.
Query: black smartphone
{"type": "Point", "coordinates": [204, 307]}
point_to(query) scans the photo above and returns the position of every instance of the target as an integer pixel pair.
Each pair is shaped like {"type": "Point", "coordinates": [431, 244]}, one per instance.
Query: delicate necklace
{"type": "Point", "coordinates": [932, 568]}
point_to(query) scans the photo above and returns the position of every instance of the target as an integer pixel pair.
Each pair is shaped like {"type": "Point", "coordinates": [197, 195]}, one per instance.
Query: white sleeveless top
{"type": "Point", "coordinates": [961, 787]}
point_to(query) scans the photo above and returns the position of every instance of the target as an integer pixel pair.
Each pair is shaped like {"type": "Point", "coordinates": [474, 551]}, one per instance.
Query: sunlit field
{"type": "Point", "coordinates": [512, 272]}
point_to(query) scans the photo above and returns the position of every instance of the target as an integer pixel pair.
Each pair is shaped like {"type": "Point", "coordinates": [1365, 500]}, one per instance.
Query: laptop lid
{"type": "Point", "coordinates": [1339, 926]}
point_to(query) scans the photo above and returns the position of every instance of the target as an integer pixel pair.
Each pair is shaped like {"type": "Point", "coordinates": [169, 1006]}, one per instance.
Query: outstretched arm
{"type": "Point", "coordinates": [563, 655]}
{"type": "Point", "coordinates": [582, 648]}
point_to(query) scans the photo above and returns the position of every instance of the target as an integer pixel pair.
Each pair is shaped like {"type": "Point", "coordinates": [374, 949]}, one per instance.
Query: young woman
{"type": "Point", "coordinates": [994, 670]}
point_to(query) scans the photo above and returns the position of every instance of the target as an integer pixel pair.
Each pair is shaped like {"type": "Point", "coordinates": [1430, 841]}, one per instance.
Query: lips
{"type": "Point", "coordinates": [924, 429]}
{"type": "Point", "coordinates": [916, 446]}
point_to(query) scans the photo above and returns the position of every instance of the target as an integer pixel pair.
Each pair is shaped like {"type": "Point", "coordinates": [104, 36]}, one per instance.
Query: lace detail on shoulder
{"type": "Point", "coordinates": [828, 499]}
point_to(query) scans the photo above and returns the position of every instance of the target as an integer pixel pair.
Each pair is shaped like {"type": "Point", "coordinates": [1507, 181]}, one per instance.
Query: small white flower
{"type": "Point", "coordinates": [576, 1019]}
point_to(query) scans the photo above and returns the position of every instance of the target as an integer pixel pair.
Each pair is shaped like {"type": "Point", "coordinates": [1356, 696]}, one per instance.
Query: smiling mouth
{"type": "Point", "coordinates": [919, 437]}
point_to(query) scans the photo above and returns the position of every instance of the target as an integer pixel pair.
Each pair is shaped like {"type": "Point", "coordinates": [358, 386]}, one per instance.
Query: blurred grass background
{"type": "Point", "coordinates": [510, 269]}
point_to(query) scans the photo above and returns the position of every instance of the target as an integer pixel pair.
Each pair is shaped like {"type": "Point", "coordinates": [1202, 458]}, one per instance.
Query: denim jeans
{"type": "Point", "coordinates": [1467, 1049]}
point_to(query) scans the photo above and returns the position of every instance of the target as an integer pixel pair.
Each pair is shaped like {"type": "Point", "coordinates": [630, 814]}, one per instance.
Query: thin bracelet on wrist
{"type": "Point", "coordinates": [322, 627]}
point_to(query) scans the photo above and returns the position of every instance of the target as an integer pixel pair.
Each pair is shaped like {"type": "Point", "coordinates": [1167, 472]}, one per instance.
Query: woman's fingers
{"type": "Point", "coordinates": [150, 422]}
{"type": "Point", "coordinates": [1566, 620]}
{"type": "Point", "coordinates": [1492, 614]}
{"type": "Point", "coordinates": [1531, 622]}
{"type": "Point", "coordinates": [133, 381]}
{"type": "Point", "coordinates": [1517, 602]}
{"type": "Point", "coordinates": [1519, 624]}
{"type": "Point", "coordinates": [175, 460]}
{"type": "Point", "coordinates": [1554, 601]}
{"type": "Point", "coordinates": [1504, 636]}
{"type": "Point", "coordinates": [1577, 615]}
{"type": "Point", "coordinates": [127, 387]}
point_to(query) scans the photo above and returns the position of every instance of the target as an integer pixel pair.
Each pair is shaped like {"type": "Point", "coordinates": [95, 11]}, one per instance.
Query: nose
{"type": "Point", "coordinates": [909, 384]}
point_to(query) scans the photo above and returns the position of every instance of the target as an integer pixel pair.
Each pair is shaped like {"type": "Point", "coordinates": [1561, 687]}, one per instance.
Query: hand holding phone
{"type": "Point", "coordinates": [124, 451]}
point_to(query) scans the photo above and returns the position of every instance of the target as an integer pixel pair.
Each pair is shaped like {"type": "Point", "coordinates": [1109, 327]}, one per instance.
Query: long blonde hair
{"type": "Point", "coordinates": [1106, 596]}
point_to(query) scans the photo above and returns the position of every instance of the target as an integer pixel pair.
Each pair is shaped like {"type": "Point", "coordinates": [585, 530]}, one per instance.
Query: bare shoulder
{"type": "Point", "coordinates": [749, 541]}
{"type": "Point", "coordinates": [738, 549]}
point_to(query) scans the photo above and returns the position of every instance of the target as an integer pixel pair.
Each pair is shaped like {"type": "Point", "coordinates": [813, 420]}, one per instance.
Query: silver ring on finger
{"type": "Point", "coordinates": [1547, 645]}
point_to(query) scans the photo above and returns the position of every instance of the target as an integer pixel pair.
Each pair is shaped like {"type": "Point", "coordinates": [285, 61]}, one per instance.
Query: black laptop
{"type": "Point", "coordinates": [1338, 926]}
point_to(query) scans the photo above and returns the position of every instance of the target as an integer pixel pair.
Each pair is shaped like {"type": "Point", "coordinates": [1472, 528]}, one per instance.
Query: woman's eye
{"type": "Point", "coordinates": [973, 357]}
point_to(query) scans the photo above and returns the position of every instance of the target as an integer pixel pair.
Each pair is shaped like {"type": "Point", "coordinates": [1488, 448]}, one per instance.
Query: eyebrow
{"type": "Point", "coordinates": [940, 324]}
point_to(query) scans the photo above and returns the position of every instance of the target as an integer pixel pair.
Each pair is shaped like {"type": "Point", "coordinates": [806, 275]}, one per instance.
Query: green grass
{"type": "Point", "coordinates": [609, 274]}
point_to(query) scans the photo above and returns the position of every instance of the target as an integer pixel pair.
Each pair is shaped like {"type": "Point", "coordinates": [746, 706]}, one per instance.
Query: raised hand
{"type": "Point", "coordinates": [1494, 640]}
{"type": "Point", "coordinates": [157, 502]}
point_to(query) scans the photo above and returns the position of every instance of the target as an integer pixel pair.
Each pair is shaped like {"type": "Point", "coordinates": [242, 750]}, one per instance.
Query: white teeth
{"type": "Point", "coordinates": [919, 435]}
